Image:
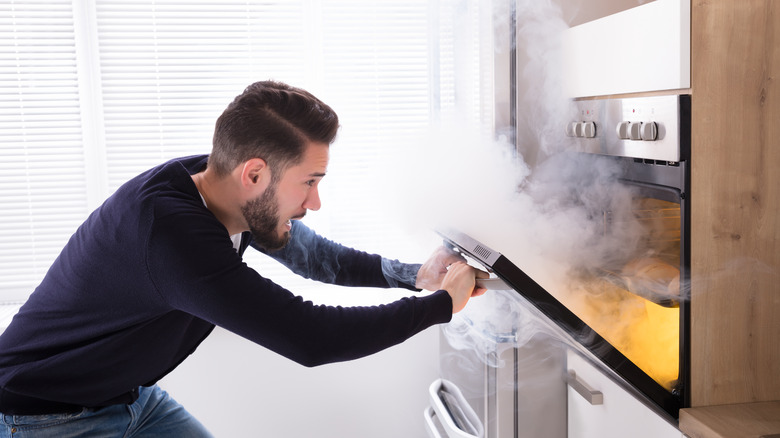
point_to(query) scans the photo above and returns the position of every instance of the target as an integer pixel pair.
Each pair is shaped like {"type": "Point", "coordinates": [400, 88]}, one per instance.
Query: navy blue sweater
{"type": "Point", "coordinates": [151, 272]}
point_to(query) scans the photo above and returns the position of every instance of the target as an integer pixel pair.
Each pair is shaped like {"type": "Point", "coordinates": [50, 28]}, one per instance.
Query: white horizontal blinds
{"type": "Point", "coordinates": [466, 56]}
{"type": "Point", "coordinates": [42, 182]}
{"type": "Point", "coordinates": [377, 68]}
{"type": "Point", "coordinates": [369, 60]}
{"type": "Point", "coordinates": [443, 55]}
{"type": "Point", "coordinates": [166, 69]}
{"type": "Point", "coordinates": [169, 68]}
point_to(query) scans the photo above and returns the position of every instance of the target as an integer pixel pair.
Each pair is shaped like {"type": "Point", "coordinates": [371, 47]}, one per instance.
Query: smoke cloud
{"type": "Point", "coordinates": [542, 206]}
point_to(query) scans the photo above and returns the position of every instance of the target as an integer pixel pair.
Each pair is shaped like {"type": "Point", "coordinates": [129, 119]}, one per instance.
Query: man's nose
{"type": "Point", "coordinates": [312, 201]}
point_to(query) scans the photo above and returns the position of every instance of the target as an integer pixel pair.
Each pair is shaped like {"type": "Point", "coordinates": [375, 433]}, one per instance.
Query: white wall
{"type": "Point", "coordinates": [238, 389]}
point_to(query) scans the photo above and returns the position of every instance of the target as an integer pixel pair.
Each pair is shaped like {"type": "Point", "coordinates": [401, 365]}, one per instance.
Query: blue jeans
{"type": "Point", "coordinates": [154, 414]}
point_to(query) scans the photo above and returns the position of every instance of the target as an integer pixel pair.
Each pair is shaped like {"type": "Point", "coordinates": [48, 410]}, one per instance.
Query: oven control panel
{"type": "Point", "coordinates": [649, 128]}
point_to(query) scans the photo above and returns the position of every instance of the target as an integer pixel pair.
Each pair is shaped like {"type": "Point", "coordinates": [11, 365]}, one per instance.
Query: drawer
{"type": "Point", "coordinates": [599, 407]}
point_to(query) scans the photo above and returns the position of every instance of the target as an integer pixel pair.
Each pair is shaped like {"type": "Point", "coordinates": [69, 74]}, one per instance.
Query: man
{"type": "Point", "coordinates": [151, 272]}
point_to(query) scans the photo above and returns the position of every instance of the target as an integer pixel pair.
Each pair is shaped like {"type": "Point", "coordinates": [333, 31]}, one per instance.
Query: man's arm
{"type": "Point", "coordinates": [195, 270]}
{"type": "Point", "coordinates": [315, 257]}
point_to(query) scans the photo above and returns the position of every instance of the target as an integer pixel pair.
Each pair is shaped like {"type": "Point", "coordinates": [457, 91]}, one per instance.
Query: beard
{"type": "Point", "coordinates": [262, 215]}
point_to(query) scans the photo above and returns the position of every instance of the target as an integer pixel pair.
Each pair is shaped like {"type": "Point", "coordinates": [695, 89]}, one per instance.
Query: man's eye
{"type": "Point", "coordinates": [310, 182]}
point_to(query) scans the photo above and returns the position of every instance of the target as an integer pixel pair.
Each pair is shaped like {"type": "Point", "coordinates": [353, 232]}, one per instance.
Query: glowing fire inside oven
{"type": "Point", "coordinates": [635, 306]}
{"type": "Point", "coordinates": [645, 332]}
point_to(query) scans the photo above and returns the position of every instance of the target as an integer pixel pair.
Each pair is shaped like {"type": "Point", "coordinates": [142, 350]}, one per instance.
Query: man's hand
{"type": "Point", "coordinates": [431, 274]}
{"type": "Point", "coordinates": [460, 284]}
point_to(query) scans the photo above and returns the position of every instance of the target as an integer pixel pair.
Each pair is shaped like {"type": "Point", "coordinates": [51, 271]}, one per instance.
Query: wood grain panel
{"type": "Point", "coordinates": [735, 206]}
{"type": "Point", "coordinates": [754, 420]}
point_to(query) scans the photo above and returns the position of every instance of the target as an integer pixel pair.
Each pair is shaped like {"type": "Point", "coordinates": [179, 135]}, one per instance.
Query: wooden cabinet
{"type": "Point", "coordinates": [735, 205]}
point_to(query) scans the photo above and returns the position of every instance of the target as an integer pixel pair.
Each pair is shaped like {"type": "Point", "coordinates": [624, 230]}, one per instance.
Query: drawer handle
{"type": "Point", "coordinates": [591, 395]}
{"type": "Point", "coordinates": [433, 431]}
{"type": "Point", "coordinates": [453, 411]}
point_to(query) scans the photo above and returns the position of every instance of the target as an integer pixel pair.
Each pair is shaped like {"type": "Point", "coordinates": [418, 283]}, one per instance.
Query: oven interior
{"type": "Point", "coordinates": [634, 303]}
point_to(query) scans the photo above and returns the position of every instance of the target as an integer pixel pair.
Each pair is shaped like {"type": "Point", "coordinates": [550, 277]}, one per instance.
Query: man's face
{"type": "Point", "coordinates": [269, 214]}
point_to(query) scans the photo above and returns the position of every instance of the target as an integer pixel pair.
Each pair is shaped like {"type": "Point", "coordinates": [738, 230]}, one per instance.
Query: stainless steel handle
{"type": "Point", "coordinates": [492, 284]}
{"type": "Point", "coordinates": [591, 395]}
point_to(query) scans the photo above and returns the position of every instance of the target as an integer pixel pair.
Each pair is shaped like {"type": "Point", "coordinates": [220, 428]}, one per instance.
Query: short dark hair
{"type": "Point", "coordinates": [273, 121]}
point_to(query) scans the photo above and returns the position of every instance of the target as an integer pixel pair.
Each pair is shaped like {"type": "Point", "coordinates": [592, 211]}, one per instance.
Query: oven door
{"type": "Point", "coordinates": [574, 330]}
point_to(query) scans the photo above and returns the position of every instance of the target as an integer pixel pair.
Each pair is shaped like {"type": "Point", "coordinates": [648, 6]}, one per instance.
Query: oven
{"type": "Point", "coordinates": [626, 310]}
{"type": "Point", "coordinates": [611, 291]}
{"type": "Point", "coordinates": [647, 139]}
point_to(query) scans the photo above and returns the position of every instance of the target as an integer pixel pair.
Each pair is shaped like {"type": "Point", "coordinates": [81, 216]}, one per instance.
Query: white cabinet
{"type": "Point", "coordinates": [599, 408]}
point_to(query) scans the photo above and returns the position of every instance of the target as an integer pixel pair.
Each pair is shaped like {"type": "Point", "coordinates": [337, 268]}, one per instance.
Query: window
{"type": "Point", "coordinates": [93, 92]}
{"type": "Point", "coordinates": [42, 165]}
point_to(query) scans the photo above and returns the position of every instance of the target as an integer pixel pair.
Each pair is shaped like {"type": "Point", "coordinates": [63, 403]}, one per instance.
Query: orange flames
{"type": "Point", "coordinates": [646, 333]}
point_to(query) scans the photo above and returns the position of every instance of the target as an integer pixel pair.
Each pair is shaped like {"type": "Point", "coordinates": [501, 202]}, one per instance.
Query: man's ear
{"type": "Point", "coordinates": [255, 172]}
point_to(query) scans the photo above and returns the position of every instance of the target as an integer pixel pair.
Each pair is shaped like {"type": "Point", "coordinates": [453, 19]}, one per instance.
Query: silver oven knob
{"type": "Point", "coordinates": [588, 129]}
{"type": "Point", "coordinates": [634, 131]}
{"type": "Point", "coordinates": [649, 131]}
{"type": "Point", "coordinates": [571, 129]}
{"type": "Point", "coordinates": [622, 130]}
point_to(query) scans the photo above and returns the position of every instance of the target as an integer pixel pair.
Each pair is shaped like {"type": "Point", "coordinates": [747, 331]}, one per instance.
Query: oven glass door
{"type": "Point", "coordinates": [631, 315]}
{"type": "Point", "coordinates": [634, 304]}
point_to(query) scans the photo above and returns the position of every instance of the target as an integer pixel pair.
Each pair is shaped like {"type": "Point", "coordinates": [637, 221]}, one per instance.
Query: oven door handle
{"type": "Point", "coordinates": [457, 418]}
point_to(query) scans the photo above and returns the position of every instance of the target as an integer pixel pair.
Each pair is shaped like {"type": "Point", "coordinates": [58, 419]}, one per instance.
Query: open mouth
{"type": "Point", "coordinates": [288, 224]}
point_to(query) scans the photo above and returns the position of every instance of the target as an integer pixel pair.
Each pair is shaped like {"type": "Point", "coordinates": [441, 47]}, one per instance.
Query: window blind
{"type": "Point", "coordinates": [42, 170]}
{"type": "Point", "coordinates": [161, 72]}
{"type": "Point", "coordinates": [168, 68]}
{"type": "Point", "coordinates": [382, 87]}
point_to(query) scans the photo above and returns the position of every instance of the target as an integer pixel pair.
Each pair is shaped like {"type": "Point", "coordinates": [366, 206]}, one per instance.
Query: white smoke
{"type": "Point", "coordinates": [536, 203]}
